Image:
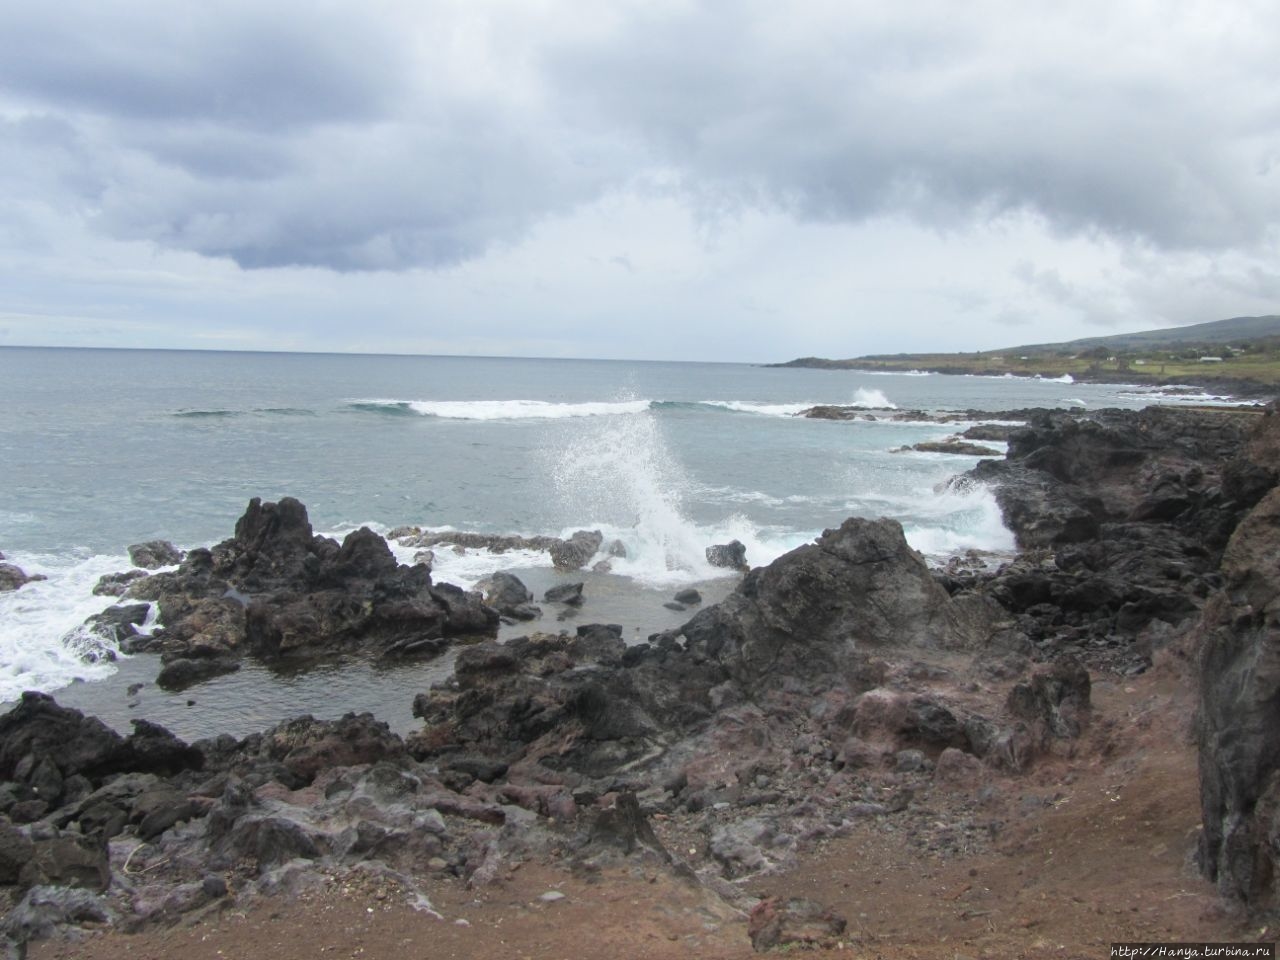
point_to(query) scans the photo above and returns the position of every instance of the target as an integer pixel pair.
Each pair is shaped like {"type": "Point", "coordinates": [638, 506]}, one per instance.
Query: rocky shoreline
{"type": "Point", "coordinates": [846, 684]}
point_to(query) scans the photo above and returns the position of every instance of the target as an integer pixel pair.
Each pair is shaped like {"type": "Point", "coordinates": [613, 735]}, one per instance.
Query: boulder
{"type": "Point", "coordinates": [506, 593]}
{"type": "Point", "coordinates": [577, 551]}
{"type": "Point", "coordinates": [153, 554]}
{"type": "Point", "coordinates": [732, 555]}
{"type": "Point", "coordinates": [12, 577]}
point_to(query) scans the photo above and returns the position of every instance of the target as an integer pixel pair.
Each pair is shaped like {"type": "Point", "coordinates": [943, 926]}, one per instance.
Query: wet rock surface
{"type": "Point", "coordinates": [12, 577]}
{"type": "Point", "coordinates": [277, 591]}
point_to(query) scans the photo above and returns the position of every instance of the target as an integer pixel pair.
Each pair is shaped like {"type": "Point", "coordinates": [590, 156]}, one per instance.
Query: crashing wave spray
{"type": "Point", "coordinates": [618, 474]}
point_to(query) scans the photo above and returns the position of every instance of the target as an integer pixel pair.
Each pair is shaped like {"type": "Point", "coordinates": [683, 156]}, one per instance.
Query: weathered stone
{"type": "Point", "coordinates": [732, 555]}
{"type": "Point", "coordinates": [574, 553]}
{"type": "Point", "coordinates": [153, 554]}
{"type": "Point", "coordinates": [570, 593]}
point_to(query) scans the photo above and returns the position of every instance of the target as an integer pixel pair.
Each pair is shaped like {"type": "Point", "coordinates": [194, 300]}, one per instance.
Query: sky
{"type": "Point", "coordinates": [658, 179]}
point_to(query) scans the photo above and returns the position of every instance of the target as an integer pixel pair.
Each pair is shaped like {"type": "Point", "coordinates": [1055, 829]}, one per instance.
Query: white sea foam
{"type": "Point", "coordinates": [870, 399]}
{"type": "Point", "coordinates": [1199, 399]}
{"type": "Point", "coordinates": [764, 409]}
{"type": "Point", "coordinates": [943, 524]}
{"type": "Point", "coordinates": [505, 409]}
{"type": "Point", "coordinates": [42, 645]}
{"type": "Point", "coordinates": [897, 373]}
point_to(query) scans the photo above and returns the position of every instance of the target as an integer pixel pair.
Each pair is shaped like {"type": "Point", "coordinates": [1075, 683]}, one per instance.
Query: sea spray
{"type": "Point", "coordinates": [42, 643]}
{"type": "Point", "coordinates": [869, 398]}
{"type": "Point", "coordinates": [619, 475]}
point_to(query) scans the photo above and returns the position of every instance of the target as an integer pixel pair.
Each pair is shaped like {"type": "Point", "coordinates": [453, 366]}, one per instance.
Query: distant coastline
{"type": "Point", "coordinates": [1221, 378]}
{"type": "Point", "coordinates": [1239, 357]}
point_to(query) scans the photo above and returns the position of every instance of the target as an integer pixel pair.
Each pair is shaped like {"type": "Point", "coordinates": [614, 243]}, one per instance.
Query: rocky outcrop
{"type": "Point", "coordinates": [154, 554]}
{"type": "Point", "coordinates": [1067, 474]}
{"type": "Point", "coordinates": [1124, 515]}
{"type": "Point", "coordinates": [816, 609]}
{"type": "Point", "coordinates": [275, 590]}
{"type": "Point", "coordinates": [1239, 729]}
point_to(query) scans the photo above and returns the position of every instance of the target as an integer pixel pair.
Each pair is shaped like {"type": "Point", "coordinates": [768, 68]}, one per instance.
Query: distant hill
{"type": "Point", "coordinates": [1235, 331]}
{"type": "Point", "coordinates": [1240, 356]}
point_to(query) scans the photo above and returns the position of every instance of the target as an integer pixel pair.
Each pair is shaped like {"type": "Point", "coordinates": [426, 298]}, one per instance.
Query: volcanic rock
{"type": "Point", "coordinates": [570, 593]}
{"type": "Point", "coordinates": [277, 591]}
{"type": "Point", "coordinates": [574, 553]}
{"type": "Point", "coordinates": [732, 555]}
{"type": "Point", "coordinates": [1239, 731]}
{"type": "Point", "coordinates": [12, 577]}
{"type": "Point", "coordinates": [153, 554]}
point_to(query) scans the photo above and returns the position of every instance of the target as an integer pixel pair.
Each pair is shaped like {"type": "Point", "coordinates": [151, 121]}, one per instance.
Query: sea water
{"type": "Point", "coordinates": [104, 448]}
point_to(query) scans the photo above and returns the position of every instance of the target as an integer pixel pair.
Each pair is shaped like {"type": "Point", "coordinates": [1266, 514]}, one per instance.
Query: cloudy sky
{"type": "Point", "coordinates": [666, 179]}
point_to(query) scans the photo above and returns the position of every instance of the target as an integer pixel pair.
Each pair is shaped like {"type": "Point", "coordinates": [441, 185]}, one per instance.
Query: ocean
{"type": "Point", "coordinates": [105, 448]}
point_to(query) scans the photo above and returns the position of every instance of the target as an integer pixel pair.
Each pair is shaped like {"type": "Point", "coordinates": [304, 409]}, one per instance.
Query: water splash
{"type": "Point", "coordinates": [872, 399]}
{"type": "Point", "coordinates": [619, 475]}
{"type": "Point", "coordinates": [42, 644]}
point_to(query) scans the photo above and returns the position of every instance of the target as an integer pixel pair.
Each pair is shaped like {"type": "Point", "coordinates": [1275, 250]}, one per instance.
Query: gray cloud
{"type": "Point", "coordinates": [391, 138]}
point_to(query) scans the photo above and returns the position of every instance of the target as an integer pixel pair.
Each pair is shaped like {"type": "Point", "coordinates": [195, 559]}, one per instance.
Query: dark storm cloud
{"type": "Point", "coordinates": [387, 138]}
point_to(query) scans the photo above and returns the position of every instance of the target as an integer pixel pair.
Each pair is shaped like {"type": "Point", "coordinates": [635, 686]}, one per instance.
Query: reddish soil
{"type": "Point", "coordinates": [1095, 847]}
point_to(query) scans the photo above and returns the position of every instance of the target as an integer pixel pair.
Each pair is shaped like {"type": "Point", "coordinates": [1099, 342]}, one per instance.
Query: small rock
{"type": "Point", "coordinates": [688, 596]}
{"type": "Point", "coordinates": [570, 593]}
{"type": "Point", "coordinates": [551, 896]}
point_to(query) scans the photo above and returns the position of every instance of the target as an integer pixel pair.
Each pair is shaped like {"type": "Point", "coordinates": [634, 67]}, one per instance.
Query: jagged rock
{"type": "Point", "coordinates": [304, 746]}
{"type": "Point", "coordinates": [1239, 730]}
{"type": "Point", "coordinates": [115, 584]}
{"type": "Point", "coordinates": [809, 612]}
{"type": "Point", "coordinates": [68, 860]}
{"type": "Point", "coordinates": [278, 591]}
{"type": "Point", "coordinates": [570, 593]}
{"type": "Point", "coordinates": [732, 555]}
{"type": "Point", "coordinates": [118, 623]}
{"type": "Point", "coordinates": [574, 553]}
{"type": "Point", "coordinates": [43, 911]}
{"type": "Point", "coordinates": [56, 756]}
{"type": "Point", "coordinates": [153, 554]}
